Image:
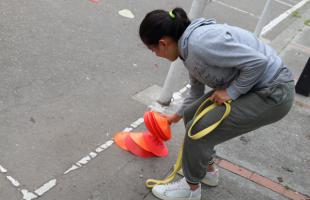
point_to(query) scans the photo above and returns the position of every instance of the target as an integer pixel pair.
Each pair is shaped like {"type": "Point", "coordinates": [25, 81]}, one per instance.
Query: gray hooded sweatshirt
{"type": "Point", "coordinates": [227, 57]}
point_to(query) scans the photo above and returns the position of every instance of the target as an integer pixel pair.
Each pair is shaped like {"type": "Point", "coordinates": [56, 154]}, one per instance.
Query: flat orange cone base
{"type": "Point", "coordinates": [156, 146]}
{"type": "Point", "coordinates": [136, 150]}
{"type": "Point", "coordinates": [139, 140]}
{"type": "Point", "coordinates": [119, 139]}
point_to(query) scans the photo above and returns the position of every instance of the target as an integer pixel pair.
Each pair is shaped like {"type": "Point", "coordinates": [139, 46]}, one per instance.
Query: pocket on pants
{"type": "Point", "coordinates": [278, 101]}
{"type": "Point", "coordinates": [275, 95]}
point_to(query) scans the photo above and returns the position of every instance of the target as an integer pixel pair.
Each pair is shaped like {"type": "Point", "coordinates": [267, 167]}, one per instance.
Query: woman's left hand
{"type": "Point", "coordinates": [220, 96]}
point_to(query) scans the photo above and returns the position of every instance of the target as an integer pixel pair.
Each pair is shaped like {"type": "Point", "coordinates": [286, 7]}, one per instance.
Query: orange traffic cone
{"type": "Point", "coordinates": [149, 143]}
{"type": "Point", "coordinates": [136, 149]}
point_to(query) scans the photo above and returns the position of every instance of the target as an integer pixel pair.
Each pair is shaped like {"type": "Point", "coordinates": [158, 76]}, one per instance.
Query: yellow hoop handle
{"type": "Point", "coordinates": [200, 113]}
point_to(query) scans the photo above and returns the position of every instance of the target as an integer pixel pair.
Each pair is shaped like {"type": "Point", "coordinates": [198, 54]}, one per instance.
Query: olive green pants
{"type": "Point", "coordinates": [248, 112]}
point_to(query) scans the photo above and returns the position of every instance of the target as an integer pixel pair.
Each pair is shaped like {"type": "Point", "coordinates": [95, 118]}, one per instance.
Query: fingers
{"type": "Point", "coordinates": [168, 117]}
{"type": "Point", "coordinates": [216, 98]}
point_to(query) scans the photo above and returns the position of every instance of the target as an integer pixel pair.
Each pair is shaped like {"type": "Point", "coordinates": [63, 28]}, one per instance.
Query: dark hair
{"type": "Point", "coordinates": [159, 23]}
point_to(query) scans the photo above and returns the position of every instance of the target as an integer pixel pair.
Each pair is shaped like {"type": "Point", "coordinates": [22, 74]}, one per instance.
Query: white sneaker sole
{"type": "Point", "coordinates": [204, 181]}
{"type": "Point", "coordinates": [158, 195]}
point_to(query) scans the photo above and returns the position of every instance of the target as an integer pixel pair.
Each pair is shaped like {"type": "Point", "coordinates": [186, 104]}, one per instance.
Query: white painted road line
{"type": "Point", "coordinates": [137, 123]}
{"type": "Point", "coordinates": [3, 170]}
{"type": "Point", "coordinates": [128, 129]}
{"type": "Point", "coordinates": [89, 157]}
{"type": "Point", "coordinates": [13, 181]}
{"type": "Point", "coordinates": [281, 17]}
{"type": "Point", "coordinates": [46, 187]}
{"type": "Point", "coordinates": [284, 3]}
{"type": "Point", "coordinates": [28, 195]}
{"type": "Point", "coordinates": [235, 8]}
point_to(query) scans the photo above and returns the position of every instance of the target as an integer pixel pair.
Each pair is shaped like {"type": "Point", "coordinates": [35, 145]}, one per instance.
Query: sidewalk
{"type": "Point", "coordinates": [274, 161]}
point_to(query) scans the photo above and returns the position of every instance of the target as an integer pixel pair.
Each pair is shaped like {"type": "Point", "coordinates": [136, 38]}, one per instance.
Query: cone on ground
{"type": "Point", "coordinates": [119, 139]}
{"type": "Point", "coordinates": [136, 149]}
{"type": "Point", "coordinates": [149, 143]}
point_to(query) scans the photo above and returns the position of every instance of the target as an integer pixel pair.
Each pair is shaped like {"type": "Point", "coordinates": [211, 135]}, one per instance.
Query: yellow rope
{"type": "Point", "coordinates": [201, 111]}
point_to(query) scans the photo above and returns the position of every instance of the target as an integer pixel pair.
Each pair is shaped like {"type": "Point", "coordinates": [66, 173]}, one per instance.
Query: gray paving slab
{"type": "Point", "coordinates": [303, 38]}
{"type": "Point", "coordinates": [233, 187]}
{"type": "Point", "coordinates": [295, 60]}
{"type": "Point", "coordinates": [293, 56]}
{"type": "Point", "coordinates": [290, 24]}
{"type": "Point", "coordinates": [278, 150]}
{"type": "Point", "coordinates": [300, 103]}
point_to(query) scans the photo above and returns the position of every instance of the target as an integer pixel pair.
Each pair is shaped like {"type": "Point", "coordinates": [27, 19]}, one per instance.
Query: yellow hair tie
{"type": "Point", "coordinates": [171, 14]}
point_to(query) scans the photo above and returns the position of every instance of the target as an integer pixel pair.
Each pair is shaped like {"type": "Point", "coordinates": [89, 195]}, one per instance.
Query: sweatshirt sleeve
{"type": "Point", "coordinates": [218, 48]}
{"type": "Point", "coordinates": [196, 91]}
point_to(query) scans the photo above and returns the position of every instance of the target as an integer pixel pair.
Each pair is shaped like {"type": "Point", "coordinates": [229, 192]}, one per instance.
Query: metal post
{"type": "Point", "coordinates": [263, 18]}
{"type": "Point", "coordinates": [197, 8]}
{"type": "Point", "coordinates": [177, 67]}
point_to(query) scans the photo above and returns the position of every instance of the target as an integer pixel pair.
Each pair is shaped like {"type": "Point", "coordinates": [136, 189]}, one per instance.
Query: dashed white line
{"type": "Point", "coordinates": [72, 168]}
{"type": "Point", "coordinates": [137, 123]}
{"type": "Point", "coordinates": [46, 187]}
{"type": "Point", "coordinates": [128, 129]}
{"type": "Point", "coordinates": [3, 170]}
{"type": "Point", "coordinates": [89, 157]}
{"type": "Point", "coordinates": [28, 195]}
{"type": "Point", "coordinates": [13, 181]}
{"type": "Point", "coordinates": [281, 17]}
{"type": "Point", "coordinates": [84, 160]}
{"type": "Point", "coordinates": [93, 154]}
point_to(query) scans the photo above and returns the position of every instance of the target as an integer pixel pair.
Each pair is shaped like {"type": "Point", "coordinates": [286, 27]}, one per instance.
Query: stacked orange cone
{"type": "Point", "coordinates": [148, 143]}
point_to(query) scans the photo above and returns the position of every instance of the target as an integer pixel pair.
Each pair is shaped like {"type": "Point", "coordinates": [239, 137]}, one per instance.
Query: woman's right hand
{"type": "Point", "coordinates": [174, 118]}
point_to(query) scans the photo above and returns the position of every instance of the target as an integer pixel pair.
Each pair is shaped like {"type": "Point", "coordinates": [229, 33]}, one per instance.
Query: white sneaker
{"type": "Point", "coordinates": [210, 179]}
{"type": "Point", "coordinates": [179, 190]}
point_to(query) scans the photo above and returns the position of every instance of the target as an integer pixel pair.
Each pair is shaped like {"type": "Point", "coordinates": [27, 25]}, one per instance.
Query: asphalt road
{"type": "Point", "coordinates": [69, 70]}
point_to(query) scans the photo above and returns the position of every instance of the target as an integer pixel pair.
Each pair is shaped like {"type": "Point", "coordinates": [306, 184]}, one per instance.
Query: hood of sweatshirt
{"type": "Point", "coordinates": [183, 41]}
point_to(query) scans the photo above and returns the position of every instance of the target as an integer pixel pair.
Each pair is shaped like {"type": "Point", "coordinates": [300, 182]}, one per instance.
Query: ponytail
{"type": "Point", "coordinates": [159, 23]}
